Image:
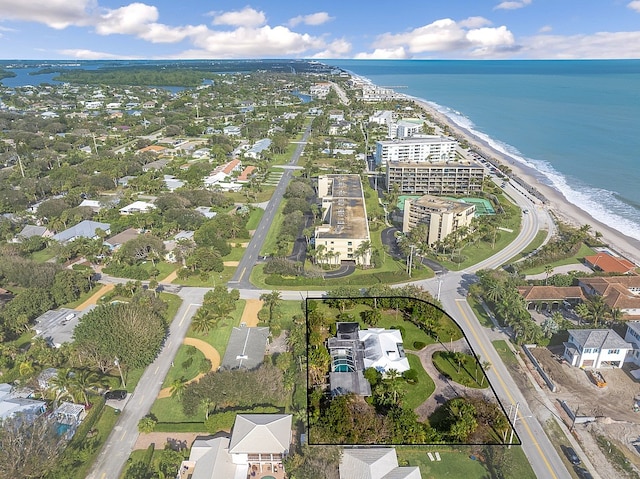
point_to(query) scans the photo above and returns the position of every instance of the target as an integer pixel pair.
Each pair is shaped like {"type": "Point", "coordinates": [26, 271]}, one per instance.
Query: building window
{"type": "Point", "coordinates": [613, 351]}
{"type": "Point", "coordinates": [349, 243]}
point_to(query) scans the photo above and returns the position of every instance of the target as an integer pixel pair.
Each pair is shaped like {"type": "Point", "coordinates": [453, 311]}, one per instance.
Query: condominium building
{"type": "Point", "coordinates": [441, 216]}
{"type": "Point", "coordinates": [441, 178]}
{"type": "Point", "coordinates": [415, 149]}
{"type": "Point", "coordinates": [345, 227]}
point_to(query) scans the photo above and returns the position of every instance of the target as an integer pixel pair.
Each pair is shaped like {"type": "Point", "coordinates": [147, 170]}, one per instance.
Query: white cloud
{"type": "Point", "coordinates": [600, 45]}
{"type": "Point", "coordinates": [159, 33]}
{"type": "Point", "coordinates": [247, 17]}
{"type": "Point", "coordinates": [512, 5]}
{"type": "Point", "coordinates": [445, 36]}
{"type": "Point", "coordinates": [337, 49]}
{"type": "Point", "coordinates": [545, 29]}
{"type": "Point", "coordinates": [384, 54]}
{"type": "Point", "coordinates": [132, 19]}
{"type": "Point", "coordinates": [635, 5]}
{"type": "Point", "coordinates": [256, 42]}
{"type": "Point", "coordinates": [474, 22]}
{"type": "Point", "coordinates": [313, 19]}
{"type": "Point", "coordinates": [82, 54]}
{"type": "Point", "coordinates": [56, 14]}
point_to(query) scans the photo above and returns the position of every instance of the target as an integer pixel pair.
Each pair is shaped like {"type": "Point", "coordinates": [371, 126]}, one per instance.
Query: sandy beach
{"type": "Point", "coordinates": [556, 201]}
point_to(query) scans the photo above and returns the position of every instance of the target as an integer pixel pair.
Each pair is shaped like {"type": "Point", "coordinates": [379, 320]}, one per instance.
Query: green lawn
{"type": "Point", "coordinates": [505, 351]}
{"type": "Point", "coordinates": [219, 337]}
{"type": "Point", "coordinates": [534, 245]}
{"type": "Point", "coordinates": [254, 218]}
{"type": "Point", "coordinates": [479, 311]}
{"type": "Point", "coordinates": [269, 245]}
{"type": "Point", "coordinates": [454, 463]}
{"type": "Point", "coordinates": [43, 256]}
{"type": "Point", "coordinates": [169, 410]}
{"type": "Point", "coordinates": [287, 310]}
{"type": "Point", "coordinates": [418, 393]}
{"type": "Point", "coordinates": [575, 259]}
{"type": "Point", "coordinates": [411, 334]}
{"type": "Point", "coordinates": [186, 365]}
{"type": "Point", "coordinates": [235, 255]}
{"type": "Point", "coordinates": [468, 368]}
{"type": "Point", "coordinates": [214, 278]}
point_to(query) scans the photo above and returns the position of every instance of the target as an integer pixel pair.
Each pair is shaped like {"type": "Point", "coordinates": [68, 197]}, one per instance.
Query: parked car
{"type": "Point", "coordinates": [117, 394]}
{"type": "Point", "coordinates": [582, 472]}
{"type": "Point", "coordinates": [571, 455]}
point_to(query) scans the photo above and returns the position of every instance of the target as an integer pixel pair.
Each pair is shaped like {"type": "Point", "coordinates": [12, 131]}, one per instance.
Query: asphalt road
{"type": "Point", "coordinates": [240, 278]}
{"type": "Point", "coordinates": [119, 444]}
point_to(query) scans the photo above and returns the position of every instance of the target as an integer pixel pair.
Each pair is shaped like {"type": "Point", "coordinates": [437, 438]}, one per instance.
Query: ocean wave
{"type": "Point", "coordinates": [604, 205]}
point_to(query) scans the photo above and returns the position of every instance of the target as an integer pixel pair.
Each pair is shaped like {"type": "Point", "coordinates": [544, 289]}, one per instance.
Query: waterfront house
{"type": "Point", "coordinates": [595, 348]}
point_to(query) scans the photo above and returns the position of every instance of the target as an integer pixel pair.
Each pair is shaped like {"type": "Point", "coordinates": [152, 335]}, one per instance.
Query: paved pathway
{"type": "Point", "coordinates": [95, 297]}
{"type": "Point", "coordinates": [446, 389]}
{"type": "Point", "coordinates": [209, 352]}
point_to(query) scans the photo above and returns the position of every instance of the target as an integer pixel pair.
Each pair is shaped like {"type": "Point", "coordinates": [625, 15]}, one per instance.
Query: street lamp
{"type": "Point", "coordinates": [116, 361]}
{"type": "Point", "coordinates": [440, 281]}
{"type": "Point", "coordinates": [515, 418]}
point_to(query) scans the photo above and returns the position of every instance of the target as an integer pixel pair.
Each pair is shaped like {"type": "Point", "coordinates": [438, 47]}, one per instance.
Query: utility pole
{"type": "Point", "coordinates": [116, 361]}
{"type": "Point", "coordinates": [410, 261]}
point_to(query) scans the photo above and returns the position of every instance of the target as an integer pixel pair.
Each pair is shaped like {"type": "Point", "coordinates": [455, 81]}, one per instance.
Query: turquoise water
{"type": "Point", "coordinates": [574, 121]}
{"type": "Point", "coordinates": [342, 368]}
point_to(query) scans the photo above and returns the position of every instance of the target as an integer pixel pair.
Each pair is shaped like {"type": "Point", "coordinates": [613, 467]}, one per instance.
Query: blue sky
{"type": "Point", "coordinates": [447, 29]}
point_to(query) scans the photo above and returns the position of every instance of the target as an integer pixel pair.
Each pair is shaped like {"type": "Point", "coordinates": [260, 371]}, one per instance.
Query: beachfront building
{"type": "Point", "coordinates": [619, 292]}
{"type": "Point", "coordinates": [344, 233]}
{"type": "Point", "coordinates": [415, 149]}
{"type": "Point", "coordinates": [382, 117]}
{"type": "Point", "coordinates": [443, 178]}
{"type": "Point", "coordinates": [406, 128]}
{"type": "Point", "coordinates": [595, 348]}
{"type": "Point", "coordinates": [632, 336]}
{"type": "Point", "coordinates": [441, 216]}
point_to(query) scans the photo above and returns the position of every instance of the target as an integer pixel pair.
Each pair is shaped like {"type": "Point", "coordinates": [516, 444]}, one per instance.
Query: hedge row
{"type": "Point", "coordinates": [386, 277]}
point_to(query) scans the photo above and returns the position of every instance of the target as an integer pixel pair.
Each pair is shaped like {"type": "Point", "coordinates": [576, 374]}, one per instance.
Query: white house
{"type": "Point", "coordinates": [374, 463]}
{"type": "Point", "coordinates": [258, 442]}
{"type": "Point", "coordinates": [595, 348]}
{"type": "Point", "coordinates": [232, 130]}
{"type": "Point", "coordinates": [632, 336]}
{"type": "Point", "coordinates": [12, 403]}
{"type": "Point", "coordinates": [137, 207]}
{"type": "Point", "coordinates": [383, 350]}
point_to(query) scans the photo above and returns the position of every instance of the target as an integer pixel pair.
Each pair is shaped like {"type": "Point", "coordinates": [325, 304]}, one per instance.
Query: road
{"type": "Point", "coordinates": [240, 278]}
{"type": "Point", "coordinates": [116, 450]}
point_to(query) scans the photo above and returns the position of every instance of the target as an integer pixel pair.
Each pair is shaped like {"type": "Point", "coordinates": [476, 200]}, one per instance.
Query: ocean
{"type": "Point", "coordinates": [574, 121]}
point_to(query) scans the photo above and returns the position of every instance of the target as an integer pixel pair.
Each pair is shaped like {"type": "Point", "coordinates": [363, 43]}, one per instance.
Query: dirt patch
{"type": "Point", "coordinates": [231, 263]}
{"type": "Point", "coordinates": [611, 406]}
{"type": "Point", "coordinates": [170, 277]}
{"type": "Point", "coordinates": [95, 297]}
{"type": "Point", "coordinates": [178, 441]}
{"type": "Point", "coordinates": [250, 312]}
{"type": "Point", "coordinates": [209, 352]}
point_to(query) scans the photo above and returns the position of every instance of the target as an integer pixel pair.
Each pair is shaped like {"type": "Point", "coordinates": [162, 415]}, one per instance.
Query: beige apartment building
{"type": "Point", "coordinates": [441, 216]}
{"type": "Point", "coordinates": [443, 178]}
{"type": "Point", "coordinates": [345, 227]}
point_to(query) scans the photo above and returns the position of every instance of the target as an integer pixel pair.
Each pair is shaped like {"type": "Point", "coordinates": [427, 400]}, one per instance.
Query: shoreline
{"type": "Point", "coordinates": [557, 203]}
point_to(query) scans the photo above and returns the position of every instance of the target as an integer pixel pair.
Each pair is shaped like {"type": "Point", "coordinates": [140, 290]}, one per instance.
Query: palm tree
{"type": "Point", "coordinates": [615, 315]}
{"type": "Point", "coordinates": [486, 365]}
{"type": "Point", "coordinates": [271, 302]}
{"type": "Point", "coordinates": [548, 269]}
{"type": "Point", "coordinates": [458, 357]}
{"type": "Point", "coordinates": [203, 321]}
{"type": "Point", "coordinates": [177, 388]}
{"type": "Point", "coordinates": [61, 385]}
{"type": "Point", "coordinates": [82, 382]}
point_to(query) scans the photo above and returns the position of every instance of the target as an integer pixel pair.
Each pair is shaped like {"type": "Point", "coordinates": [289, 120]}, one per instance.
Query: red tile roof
{"type": "Point", "coordinates": [610, 264]}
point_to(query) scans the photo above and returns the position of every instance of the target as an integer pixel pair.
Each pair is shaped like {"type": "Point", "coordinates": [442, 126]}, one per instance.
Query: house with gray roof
{"type": "Point", "coordinates": [595, 348]}
{"type": "Point", "coordinates": [374, 463]}
{"type": "Point", "coordinates": [258, 442]}
{"type": "Point", "coordinates": [12, 404]}
{"type": "Point", "coordinates": [32, 230]}
{"type": "Point", "coordinates": [246, 348]}
{"type": "Point", "coordinates": [84, 229]}
{"type": "Point", "coordinates": [57, 326]}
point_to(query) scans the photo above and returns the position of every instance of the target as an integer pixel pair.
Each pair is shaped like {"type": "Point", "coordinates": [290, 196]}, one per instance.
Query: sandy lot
{"type": "Point", "coordinates": [95, 297]}
{"type": "Point", "coordinates": [612, 407]}
{"type": "Point", "coordinates": [250, 313]}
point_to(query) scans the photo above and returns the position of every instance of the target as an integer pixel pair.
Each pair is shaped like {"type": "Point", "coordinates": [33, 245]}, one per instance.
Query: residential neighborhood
{"type": "Point", "coordinates": [285, 271]}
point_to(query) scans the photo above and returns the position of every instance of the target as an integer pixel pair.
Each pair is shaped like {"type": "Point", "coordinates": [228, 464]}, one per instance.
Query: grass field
{"type": "Point", "coordinates": [479, 311]}
{"type": "Point", "coordinates": [531, 247]}
{"type": "Point", "coordinates": [219, 337]}
{"type": "Point", "coordinates": [254, 218]}
{"type": "Point", "coordinates": [464, 374]}
{"type": "Point", "coordinates": [454, 463]}
{"type": "Point", "coordinates": [575, 259]}
{"type": "Point", "coordinates": [43, 256]}
{"type": "Point", "coordinates": [505, 351]}
{"type": "Point", "coordinates": [213, 279]}
{"type": "Point", "coordinates": [418, 393]}
{"type": "Point", "coordinates": [186, 365]}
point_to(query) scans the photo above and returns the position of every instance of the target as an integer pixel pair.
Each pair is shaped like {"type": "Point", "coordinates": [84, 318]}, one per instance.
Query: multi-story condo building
{"type": "Point", "coordinates": [415, 149]}
{"type": "Point", "coordinates": [441, 216]}
{"type": "Point", "coordinates": [438, 178]}
{"type": "Point", "coordinates": [345, 227]}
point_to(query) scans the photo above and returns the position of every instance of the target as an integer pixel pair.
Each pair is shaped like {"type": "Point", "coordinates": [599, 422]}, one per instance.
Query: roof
{"type": "Point", "coordinates": [261, 433]}
{"type": "Point", "coordinates": [57, 326]}
{"type": "Point", "coordinates": [246, 172]}
{"type": "Point", "coordinates": [598, 338]}
{"type": "Point", "coordinates": [122, 237]}
{"type": "Point", "coordinates": [610, 264]}
{"type": "Point", "coordinates": [347, 215]}
{"type": "Point", "coordinates": [85, 229]}
{"type": "Point", "coordinates": [553, 293]}
{"type": "Point", "coordinates": [383, 350]}
{"type": "Point", "coordinates": [246, 348]}
{"type": "Point", "coordinates": [374, 463]}
{"type": "Point", "coordinates": [212, 458]}
{"type": "Point", "coordinates": [138, 206]}
{"type": "Point", "coordinates": [618, 291]}
{"type": "Point", "coordinates": [31, 230]}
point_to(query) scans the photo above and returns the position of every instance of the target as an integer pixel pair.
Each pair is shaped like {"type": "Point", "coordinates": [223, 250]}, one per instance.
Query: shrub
{"type": "Point", "coordinates": [418, 345]}
{"type": "Point", "coordinates": [410, 375]}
